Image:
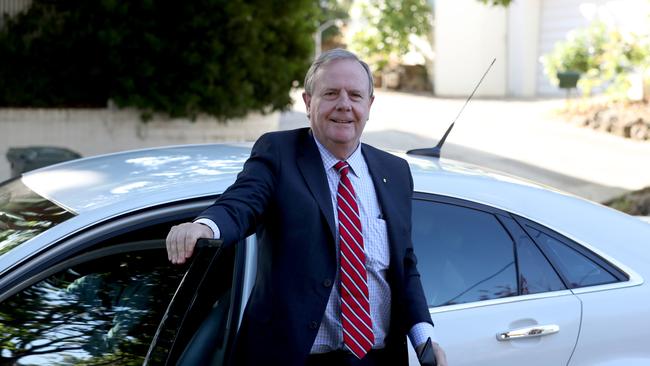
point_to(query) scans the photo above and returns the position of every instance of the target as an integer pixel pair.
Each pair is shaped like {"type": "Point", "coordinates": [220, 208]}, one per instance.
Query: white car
{"type": "Point", "coordinates": [514, 273]}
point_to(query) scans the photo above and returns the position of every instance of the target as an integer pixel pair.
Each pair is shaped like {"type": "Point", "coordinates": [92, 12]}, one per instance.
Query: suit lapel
{"type": "Point", "coordinates": [311, 168]}
{"type": "Point", "coordinates": [380, 179]}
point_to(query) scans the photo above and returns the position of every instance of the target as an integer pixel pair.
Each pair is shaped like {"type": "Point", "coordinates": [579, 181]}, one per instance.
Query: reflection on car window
{"type": "Point", "coordinates": [100, 312]}
{"type": "Point", "coordinates": [535, 272]}
{"type": "Point", "coordinates": [579, 270]}
{"type": "Point", "coordinates": [24, 214]}
{"type": "Point", "coordinates": [464, 255]}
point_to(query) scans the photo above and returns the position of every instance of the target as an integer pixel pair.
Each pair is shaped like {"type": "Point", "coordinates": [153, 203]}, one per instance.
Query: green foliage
{"type": "Point", "coordinates": [220, 57]}
{"type": "Point", "coordinates": [633, 203]}
{"type": "Point", "coordinates": [390, 23]}
{"type": "Point", "coordinates": [504, 3]}
{"type": "Point", "coordinates": [333, 10]}
{"type": "Point", "coordinates": [603, 56]}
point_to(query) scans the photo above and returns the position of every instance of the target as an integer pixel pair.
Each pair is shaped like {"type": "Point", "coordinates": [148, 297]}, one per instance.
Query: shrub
{"type": "Point", "coordinates": [602, 56]}
{"type": "Point", "coordinates": [220, 57]}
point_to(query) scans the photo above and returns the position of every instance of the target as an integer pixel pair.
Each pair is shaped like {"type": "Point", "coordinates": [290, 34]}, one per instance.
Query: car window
{"type": "Point", "coordinates": [25, 214]}
{"type": "Point", "coordinates": [578, 269]}
{"type": "Point", "coordinates": [464, 254]}
{"type": "Point", "coordinates": [536, 274]}
{"type": "Point", "coordinates": [102, 311]}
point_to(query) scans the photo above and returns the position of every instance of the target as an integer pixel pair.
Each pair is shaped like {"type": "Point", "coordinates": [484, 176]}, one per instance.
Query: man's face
{"type": "Point", "coordinates": [339, 106]}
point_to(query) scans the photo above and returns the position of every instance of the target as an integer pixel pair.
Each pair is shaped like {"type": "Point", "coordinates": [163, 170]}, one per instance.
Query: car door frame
{"type": "Point", "coordinates": [181, 319]}
{"type": "Point", "coordinates": [33, 268]}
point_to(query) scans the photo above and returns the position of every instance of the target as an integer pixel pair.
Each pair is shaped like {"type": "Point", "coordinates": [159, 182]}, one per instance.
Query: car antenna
{"type": "Point", "coordinates": [435, 151]}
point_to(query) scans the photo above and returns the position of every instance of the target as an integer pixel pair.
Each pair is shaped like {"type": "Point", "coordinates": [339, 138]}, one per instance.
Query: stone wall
{"type": "Point", "coordinates": [98, 131]}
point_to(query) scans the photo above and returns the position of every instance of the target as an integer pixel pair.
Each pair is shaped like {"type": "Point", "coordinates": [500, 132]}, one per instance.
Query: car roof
{"type": "Point", "coordinates": [140, 178]}
{"type": "Point", "coordinates": [102, 187]}
{"type": "Point", "coordinates": [128, 180]}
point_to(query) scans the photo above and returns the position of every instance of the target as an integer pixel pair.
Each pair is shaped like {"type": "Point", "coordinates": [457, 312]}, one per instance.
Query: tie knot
{"type": "Point", "coordinates": [342, 167]}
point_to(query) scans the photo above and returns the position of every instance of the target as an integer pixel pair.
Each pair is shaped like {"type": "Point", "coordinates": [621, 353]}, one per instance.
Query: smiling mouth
{"type": "Point", "coordinates": [340, 121]}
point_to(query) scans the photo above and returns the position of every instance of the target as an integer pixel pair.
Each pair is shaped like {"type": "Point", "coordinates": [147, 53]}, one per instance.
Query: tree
{"type": "Point", "coordinates": [331, 10]}
{"type": "Point", "coordinates": [221, 57]}
{"type": "Point", "coordinates": [390, 24]}
{"type": "Point", "coordinates": [504, 3]}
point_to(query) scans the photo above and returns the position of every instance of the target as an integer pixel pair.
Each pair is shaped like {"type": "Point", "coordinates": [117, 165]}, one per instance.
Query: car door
{"type": "Point", "coordinates": [96, 297]}
{"type": "Point", "coordinates": [202, 319]}
{"type": "Point", "coordinates": [494, 297]}
{"type": "Point", "coordinates": [97, 307]}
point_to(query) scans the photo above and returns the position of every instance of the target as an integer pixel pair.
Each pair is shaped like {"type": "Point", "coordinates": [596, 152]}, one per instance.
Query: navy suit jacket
{"type": "Point", "coordinates": [282, 194]}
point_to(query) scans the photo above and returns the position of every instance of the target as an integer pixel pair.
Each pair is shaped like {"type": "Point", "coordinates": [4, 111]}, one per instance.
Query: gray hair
{"type": "Point", "coordinates": [329, 56]}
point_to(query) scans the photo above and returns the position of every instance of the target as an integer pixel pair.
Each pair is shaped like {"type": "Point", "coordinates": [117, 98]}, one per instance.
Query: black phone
{"type": "Point", "coordinates": [426, 356]}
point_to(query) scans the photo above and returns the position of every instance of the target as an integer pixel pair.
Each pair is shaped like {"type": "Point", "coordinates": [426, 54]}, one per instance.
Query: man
{"type": "Point", "coordinates": [337, 282]}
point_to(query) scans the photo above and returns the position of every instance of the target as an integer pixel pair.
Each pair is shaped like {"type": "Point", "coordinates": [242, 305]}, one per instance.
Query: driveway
{"type": "Point", "coordinates": [521, 137]}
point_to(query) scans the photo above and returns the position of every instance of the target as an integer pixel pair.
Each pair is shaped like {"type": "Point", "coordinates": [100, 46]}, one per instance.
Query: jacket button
{"type": "Point", "coordinates": [313, 324]}
{"type": "Point", "coordinates": [327, 282]}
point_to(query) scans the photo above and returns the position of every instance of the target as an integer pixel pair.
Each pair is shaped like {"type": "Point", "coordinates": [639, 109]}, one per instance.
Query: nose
{"type": "Point", "coordinates": [343, 102]}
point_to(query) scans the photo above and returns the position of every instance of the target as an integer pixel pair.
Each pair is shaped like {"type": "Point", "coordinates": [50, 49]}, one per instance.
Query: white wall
{"type": "Point", "coordinates": [523, 39]}
{"type": "Point", "coordinates": [91, 132]}
{"type": "Point", "coordinates": [468, 35]}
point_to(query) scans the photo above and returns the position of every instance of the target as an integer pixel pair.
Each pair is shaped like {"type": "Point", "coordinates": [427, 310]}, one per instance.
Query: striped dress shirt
{"type": "Point", "coordinates": [375, 238]}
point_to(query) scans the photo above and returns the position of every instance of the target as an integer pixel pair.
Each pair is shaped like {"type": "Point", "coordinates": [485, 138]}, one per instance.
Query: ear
{"type": "Point", "coordinates": [307, 99]}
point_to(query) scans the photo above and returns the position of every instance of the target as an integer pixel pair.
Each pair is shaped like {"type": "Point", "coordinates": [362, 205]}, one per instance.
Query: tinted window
{"type": "Point", "coordinates": [104, 311]}
{"type": "Point", "coordinates": [24, 214]}
{"type": "Point", "coordinates": [578, 269]}
{"type": "Point", "coordinates": [535, 272]}
{"type": "Point", "coordinates": [464, 254]}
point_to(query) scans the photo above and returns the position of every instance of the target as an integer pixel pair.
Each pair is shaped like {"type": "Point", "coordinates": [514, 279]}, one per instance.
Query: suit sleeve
{"type": "Point", "coordinates": [238, 210]}
{"type": "Point", "coordinates": [415, 300]}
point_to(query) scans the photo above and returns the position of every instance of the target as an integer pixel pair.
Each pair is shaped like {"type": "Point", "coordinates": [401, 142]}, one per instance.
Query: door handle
{"type": "Point", "coordinates": [536, 331]}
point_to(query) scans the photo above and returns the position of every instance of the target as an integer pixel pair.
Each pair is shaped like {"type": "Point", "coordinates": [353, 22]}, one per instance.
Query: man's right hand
{"type": "Point", "coordinates": [182, 239]}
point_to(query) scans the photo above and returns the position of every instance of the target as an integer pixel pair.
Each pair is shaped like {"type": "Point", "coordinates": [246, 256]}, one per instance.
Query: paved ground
{"type": "Point", "coordinates": [520, 137]}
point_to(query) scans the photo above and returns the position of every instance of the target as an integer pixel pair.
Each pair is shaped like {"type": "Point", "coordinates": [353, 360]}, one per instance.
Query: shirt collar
{"type": "Point", "coordinates": [355, 160]}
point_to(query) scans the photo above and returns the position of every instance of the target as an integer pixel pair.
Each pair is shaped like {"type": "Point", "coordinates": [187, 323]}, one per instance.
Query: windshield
{"type": "Point", "coordinates": [24, 214]}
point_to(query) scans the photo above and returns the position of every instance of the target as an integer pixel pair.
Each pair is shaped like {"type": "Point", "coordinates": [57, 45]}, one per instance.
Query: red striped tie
{"type": "Point", "coordinates": [355, 306]}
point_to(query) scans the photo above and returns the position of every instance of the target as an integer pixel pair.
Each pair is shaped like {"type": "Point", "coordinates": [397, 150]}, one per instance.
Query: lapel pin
{"type": "Point", "coordinates": [384, 179]}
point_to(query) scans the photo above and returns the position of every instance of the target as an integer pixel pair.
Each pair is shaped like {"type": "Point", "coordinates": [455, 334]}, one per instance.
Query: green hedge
{"type": "Point", "coordinates": [224, 58]}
